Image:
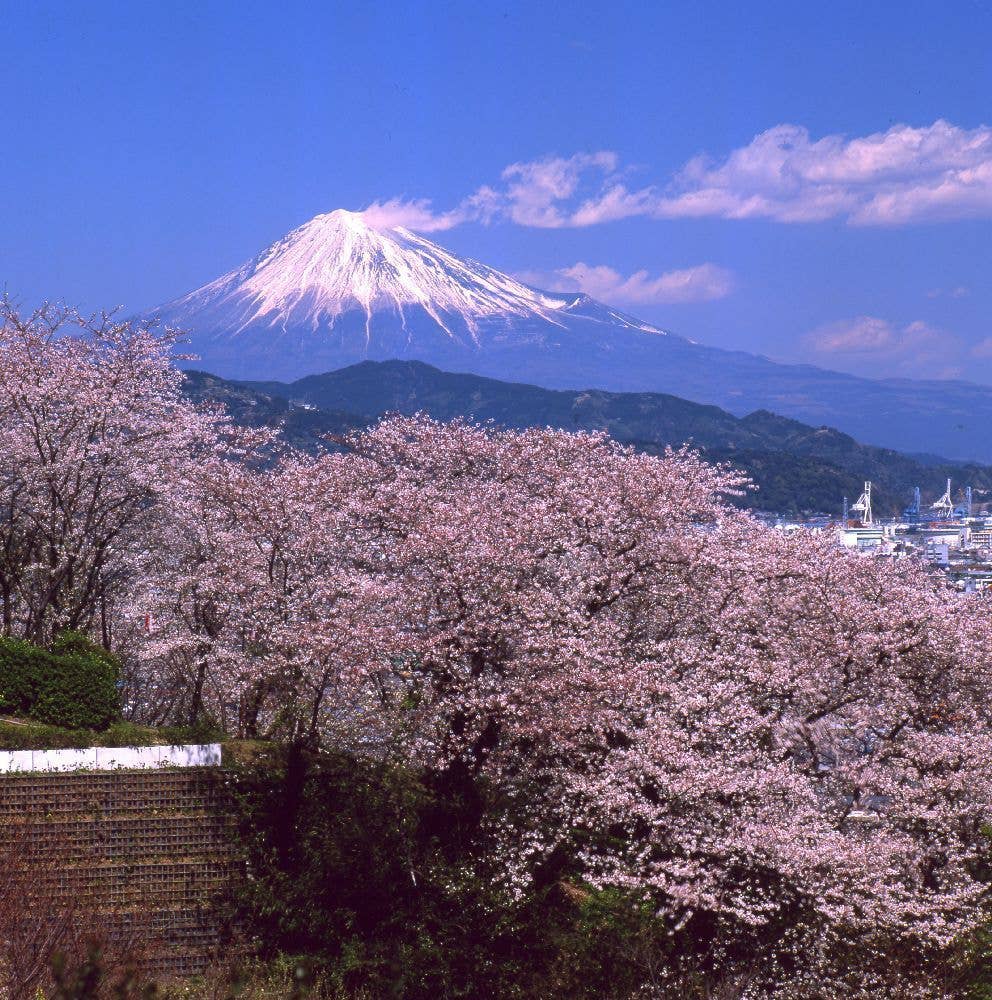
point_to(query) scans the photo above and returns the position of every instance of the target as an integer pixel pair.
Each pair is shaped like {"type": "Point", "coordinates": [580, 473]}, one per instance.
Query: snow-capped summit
{"type": "Point", "coordinates": [336, 290]}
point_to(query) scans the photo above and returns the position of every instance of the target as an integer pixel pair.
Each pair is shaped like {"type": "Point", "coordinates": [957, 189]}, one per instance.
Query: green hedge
{"type": "Point", "coordinates": [73, 685]}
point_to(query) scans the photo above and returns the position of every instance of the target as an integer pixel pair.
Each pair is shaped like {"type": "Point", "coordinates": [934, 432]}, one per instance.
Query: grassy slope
{"type": "Point", "coordinates": [24, 734]}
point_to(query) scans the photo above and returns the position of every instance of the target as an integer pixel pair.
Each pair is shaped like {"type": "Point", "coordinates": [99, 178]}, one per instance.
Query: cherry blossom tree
{"type": "Point", "coordinates": [786, 747]}
{"type": "Point", "coordinates": [783, 746]}
{"type": "Point", "coordinates": [93, 433]}
{"type": "Point", "coordinates": [264, 598]}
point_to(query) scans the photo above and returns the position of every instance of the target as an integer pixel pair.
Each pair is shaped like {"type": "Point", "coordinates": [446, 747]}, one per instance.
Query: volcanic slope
{"type": "Point", "coordinates": [336, 291]}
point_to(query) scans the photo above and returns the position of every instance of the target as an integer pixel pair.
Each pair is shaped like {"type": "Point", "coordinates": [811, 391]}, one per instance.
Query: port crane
{"type": "Point", "coordinates": [965, 509]}
{"type": "Point", "coordinates": [863, 506]}
{"type": "Point", "coordinates": [945, 505]}
{"type": "Point", "coordinates": [912, 512]}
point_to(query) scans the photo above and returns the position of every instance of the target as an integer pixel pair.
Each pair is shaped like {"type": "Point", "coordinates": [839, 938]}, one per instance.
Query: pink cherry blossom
{"type": "Point", "coordinates": [772, 740]}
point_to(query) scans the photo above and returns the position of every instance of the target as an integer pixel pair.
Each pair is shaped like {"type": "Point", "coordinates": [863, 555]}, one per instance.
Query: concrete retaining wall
{"type": "Point", "coordinates": [111, 758]}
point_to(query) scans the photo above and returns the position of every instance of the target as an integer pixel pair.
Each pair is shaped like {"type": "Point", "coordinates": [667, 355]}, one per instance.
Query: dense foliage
{"type": "Point", "coordinates": [73, 685]}
{"type": "Point", "coordinates": [382, 883]}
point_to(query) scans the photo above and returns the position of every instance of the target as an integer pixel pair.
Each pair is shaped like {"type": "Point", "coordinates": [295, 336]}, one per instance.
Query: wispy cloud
{"type": "Point", "coordinates": [860, 335]}
{"type": "Point", "coordinates": [534, 193]}
{"type": "Point", "coordinates": [903, 175]}
{"type": "Point", "coordinates": [915, 349]}
{"type": "Point", "coordinates": [417, 214]}
{"type": "Point", "coordinates": [702, 283]}
{"type": "Point", "coordinates": [957, 292]}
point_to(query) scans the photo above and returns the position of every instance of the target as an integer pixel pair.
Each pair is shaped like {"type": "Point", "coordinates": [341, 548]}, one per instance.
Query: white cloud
{"type": "Point", "coordinates": [702, 283]}
{"type": "Point", "coordinates": [903, 175]}
{"type": "Point", "coordinates": [535, 192]}
{"type": "Point", "coordinates": [875, 345]}
{"type": "Point", "coordinates": [957, 292]}
{"type": "Point", "coordinates": [861, 335]}
{"type": "Point", "coordinates": [614, 203]}
{"type": "Point", "coordinates": [416, 214]}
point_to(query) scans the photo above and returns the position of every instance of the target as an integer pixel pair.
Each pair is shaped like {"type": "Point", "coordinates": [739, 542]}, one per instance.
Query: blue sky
{"type": "Point", "coordinates": [809, 181]}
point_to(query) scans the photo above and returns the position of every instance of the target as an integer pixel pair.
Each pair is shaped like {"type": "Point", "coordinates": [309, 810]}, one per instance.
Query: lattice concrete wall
{"type": "Point", "coordinates": [151, 849]}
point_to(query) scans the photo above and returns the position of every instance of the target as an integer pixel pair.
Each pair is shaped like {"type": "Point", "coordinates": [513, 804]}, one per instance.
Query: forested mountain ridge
{"type": "Point", "coordinates": [797, 468]}
{"type": "Point", "coordinates": [338, 291]}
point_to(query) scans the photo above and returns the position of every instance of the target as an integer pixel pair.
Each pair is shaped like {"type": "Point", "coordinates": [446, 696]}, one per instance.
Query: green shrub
{"type": "Point", "coordinates": [74, 685]}
{"type": "Point", "coordinates": [78, 692]}
{"type": "Point", "coordinates": [77, 644]}
{"type": "Point", "coordinates": [22, 666]}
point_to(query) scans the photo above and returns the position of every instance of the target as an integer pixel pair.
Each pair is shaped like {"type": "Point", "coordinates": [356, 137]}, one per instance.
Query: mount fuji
{"type": "Point", "coordinates": [336, 291]}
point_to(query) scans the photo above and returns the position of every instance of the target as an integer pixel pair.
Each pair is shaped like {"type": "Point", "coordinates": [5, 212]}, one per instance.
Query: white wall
{"type": "Point", "coordinates": [111, 758]}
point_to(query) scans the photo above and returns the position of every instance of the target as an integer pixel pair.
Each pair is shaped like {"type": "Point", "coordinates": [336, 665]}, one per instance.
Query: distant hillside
{"type": "Point", "coordinates": [337, 291]}
{"type": "Point", "coordinates": [797, 468]}
{"type": "Point", "coordinates": [301, 426]}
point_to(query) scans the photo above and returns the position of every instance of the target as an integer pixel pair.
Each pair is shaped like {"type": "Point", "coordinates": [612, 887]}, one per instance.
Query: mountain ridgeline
{"type": "Point", "coordinates": [336, 291]}
{"type": "Point", "coordinates": [797, 468]}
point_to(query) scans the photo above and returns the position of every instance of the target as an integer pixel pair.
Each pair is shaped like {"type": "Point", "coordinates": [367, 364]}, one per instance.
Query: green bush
{"type": "Point", "coordinates": [22, 666]}
{"type": "Point", "coordinates": [78, 692]}
{"type": "Point", "coordinates": [73, 685]}
{"type": "Point", "coordinates": [78, 644]}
